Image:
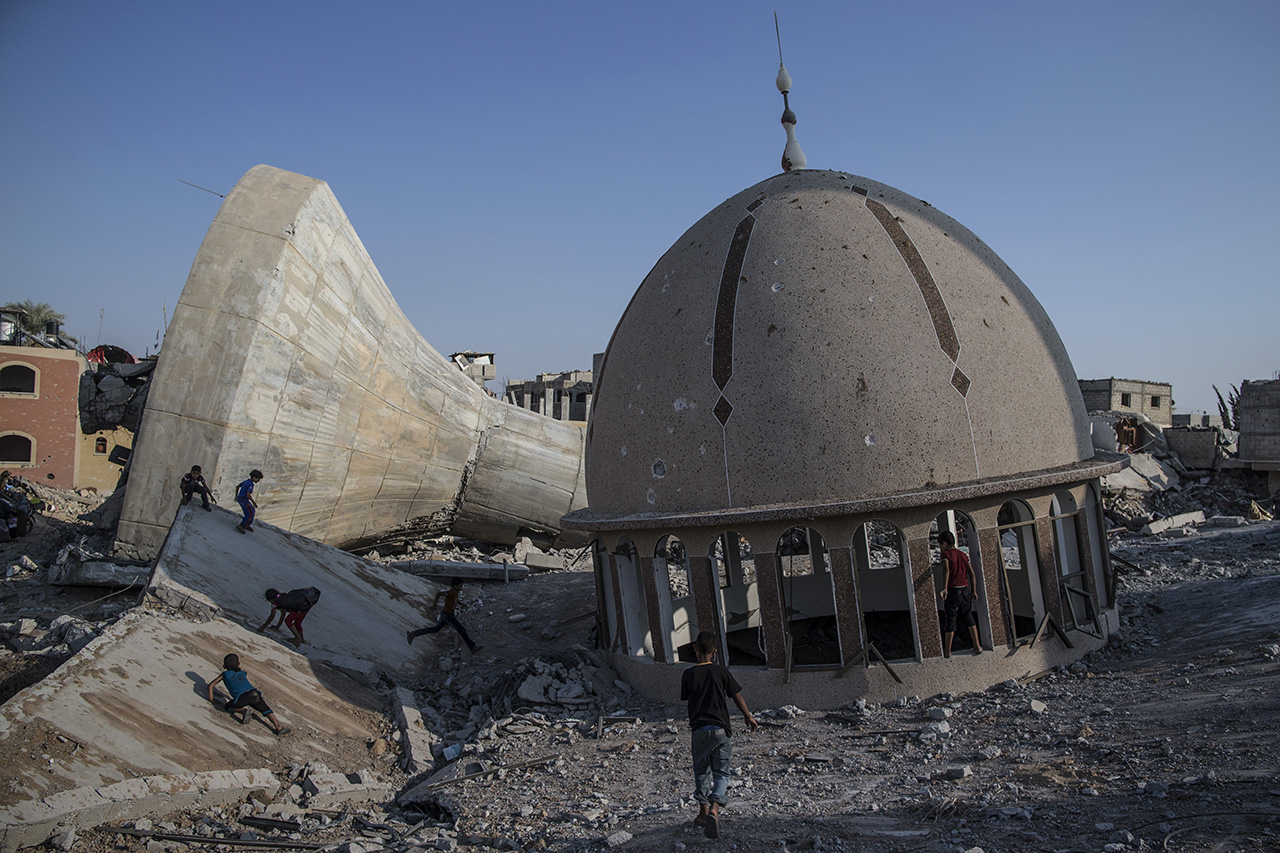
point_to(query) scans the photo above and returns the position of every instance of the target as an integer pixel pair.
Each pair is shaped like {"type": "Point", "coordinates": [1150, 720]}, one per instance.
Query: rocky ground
{"type": "Point", "coordinates": [1167, 739]}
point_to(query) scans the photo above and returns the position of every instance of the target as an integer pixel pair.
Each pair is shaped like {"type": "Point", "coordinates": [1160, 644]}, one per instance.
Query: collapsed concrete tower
{"type": "Point", "coordinates": [288, 353]}
{"type": "Point", "coordinates": [817, 377]}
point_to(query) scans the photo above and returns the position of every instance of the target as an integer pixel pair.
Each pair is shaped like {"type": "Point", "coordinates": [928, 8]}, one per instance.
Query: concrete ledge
{"type": "Point", "coordinates": [328, 789]}
{"type": "Point", "coordinates": [416, 738]}
{"type": "Point", "coordinates": [31, 823]}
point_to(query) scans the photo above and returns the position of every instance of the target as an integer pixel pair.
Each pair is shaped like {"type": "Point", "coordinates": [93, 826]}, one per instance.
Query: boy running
{"type": "Point", "coordinates": [450, 597]}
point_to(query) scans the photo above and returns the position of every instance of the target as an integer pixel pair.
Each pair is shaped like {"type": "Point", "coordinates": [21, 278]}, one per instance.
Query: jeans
{"type": "Point", "coordinates": [448, 619]}
{"type": "Point", "coordinates": [711, 753]}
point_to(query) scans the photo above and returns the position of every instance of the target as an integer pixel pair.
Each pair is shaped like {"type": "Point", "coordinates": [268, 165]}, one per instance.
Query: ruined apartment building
{"type": "Point", "coordinates": [1153, 399]}
{"type": "Point", "coordinates": [40, 429]}
{"type": "Point", "coordinates": [1259, 425]}
{"type": "Point", "coordinates": [563, 396]}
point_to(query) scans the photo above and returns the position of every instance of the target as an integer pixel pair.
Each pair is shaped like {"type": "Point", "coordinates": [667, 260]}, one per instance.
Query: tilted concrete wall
{"type": "Point", "coordinates": [288, 353]}
{"type": "Point", "coordinates": [1260, 422]}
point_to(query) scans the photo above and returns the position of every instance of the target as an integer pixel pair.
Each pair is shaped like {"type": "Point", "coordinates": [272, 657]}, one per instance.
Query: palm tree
{"type": "Point", "coordinates": [36, 316]}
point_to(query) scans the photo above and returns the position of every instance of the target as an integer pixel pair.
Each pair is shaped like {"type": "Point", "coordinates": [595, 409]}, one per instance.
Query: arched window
{"type": "Point", "coordinates": [808, 598]}
{"type": "Point", "coordinates": [1020, 568]}
{"type": "Point", "coordinates": [100, 446]}
{"type": "Point", "coordinates": [635, 609]}
{"type": "Point", "coordinates": [963, 529]}
{"type": "Point", "coordinates": [676, 607]}
{"type": "Point", "coordinates": [884, 589]}
{"type": "Point", "coordinates": [17, 449]}
{"type": "Point", "coordinates": [738, 599]}
{"type": "Point", "coordinates": [18, 379]}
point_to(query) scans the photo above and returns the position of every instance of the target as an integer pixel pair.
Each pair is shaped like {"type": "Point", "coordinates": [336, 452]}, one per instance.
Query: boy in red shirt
{"type": "Point", "coordinates": [957, 596]}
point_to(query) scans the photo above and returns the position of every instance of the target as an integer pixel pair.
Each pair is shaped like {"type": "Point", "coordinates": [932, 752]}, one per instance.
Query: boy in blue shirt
{"type": "Point", "coordinates": [243, 694]}
{"type": "Point", "coordinates": [244, 497]}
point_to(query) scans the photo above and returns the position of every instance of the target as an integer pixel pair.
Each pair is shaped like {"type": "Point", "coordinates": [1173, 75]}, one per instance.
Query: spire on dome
{"type": "Point", "coordinates": [792, 155]}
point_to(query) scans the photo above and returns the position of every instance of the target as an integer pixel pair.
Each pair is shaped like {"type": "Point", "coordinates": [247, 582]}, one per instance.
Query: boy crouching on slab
{"type": "Point", "coordinates": [705, 686]}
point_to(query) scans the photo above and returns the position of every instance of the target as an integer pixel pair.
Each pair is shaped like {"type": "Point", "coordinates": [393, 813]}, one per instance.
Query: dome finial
{"type": "Point", "coordinates": [792, 155]}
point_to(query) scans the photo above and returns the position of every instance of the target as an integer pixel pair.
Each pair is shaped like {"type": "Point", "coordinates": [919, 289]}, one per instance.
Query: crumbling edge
{"type": "Point", "coordinates": [30, 823]}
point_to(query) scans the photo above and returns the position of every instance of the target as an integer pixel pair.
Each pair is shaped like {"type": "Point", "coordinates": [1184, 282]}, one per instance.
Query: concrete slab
{"type": "Point", "coordinates": [132, 706]}
{"type": "Point", "coordinates": [206, 568]}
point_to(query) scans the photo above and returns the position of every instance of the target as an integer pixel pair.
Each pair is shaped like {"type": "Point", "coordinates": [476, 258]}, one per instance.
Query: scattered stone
{"type": "Point", "coordinates": [618, 838]}
{"type": "Point", "coordinates": [1038, 707]}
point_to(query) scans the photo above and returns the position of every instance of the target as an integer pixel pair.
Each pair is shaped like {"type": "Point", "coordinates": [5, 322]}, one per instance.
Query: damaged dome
{"type": "Point", "coordinates": [819, 338]}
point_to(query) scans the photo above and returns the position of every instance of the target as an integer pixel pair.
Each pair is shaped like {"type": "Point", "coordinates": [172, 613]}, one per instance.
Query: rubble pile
{"type": "Point", "coordinates": [1221, 493]}
{"type": "Point", "coordinates": [114, 395]}
{"type": "Point", "coordinates": [533, 743]}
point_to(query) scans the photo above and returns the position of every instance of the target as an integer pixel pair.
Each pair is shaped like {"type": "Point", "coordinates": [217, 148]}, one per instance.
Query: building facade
{"type": "Point", "coordinates": [563, 396]}
{"type": "Point", "coordinates": [40, 437]}
{"type": "Point", "coordinates": [1153, 399]}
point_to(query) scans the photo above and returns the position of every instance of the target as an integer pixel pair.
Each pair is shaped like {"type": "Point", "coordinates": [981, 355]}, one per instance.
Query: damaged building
{"type": "Point", "coordinates": [1153, 399]}
{"type": "Point", "coordinates": [287, 353]}
{"type": "Point", "coordinates": [795, 513]}
{"type": "Point", "coordinates": [563, 396]}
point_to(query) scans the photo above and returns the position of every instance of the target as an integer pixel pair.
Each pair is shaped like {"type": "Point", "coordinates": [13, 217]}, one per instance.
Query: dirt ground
{"type": "Point", "coordinates": [1167, 739]}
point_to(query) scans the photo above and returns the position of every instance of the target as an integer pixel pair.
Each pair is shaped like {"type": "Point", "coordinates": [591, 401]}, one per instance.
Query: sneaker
{"type": "Point", "coordinates": [241, 529]}
{"type": "Point", "coordinates": [283, 730]}
{"type": "Point", "coordinates": [208, 508]}
{"type": "Point", "coordinates": [477, 647]}
{"type": "Point", "coordinates": [186, 500]}
{"type": "Point", "coordinates": [408, 635]}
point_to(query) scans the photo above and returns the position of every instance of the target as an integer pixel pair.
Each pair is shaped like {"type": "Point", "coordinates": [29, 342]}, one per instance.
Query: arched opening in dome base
{"type": "Point", "coordinates": [738, 601]}
{"type": "Point", "coordinates": [962, 527]}
{"type": "Point", "coordinates": [864, 579]}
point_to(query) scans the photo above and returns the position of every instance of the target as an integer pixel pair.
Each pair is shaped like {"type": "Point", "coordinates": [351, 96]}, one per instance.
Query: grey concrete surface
{"type": "Point", "coordinates": [288, 353]}
{"type": "Point", "coordinates": [836, 363]}
{"type": "Point", "coordinates": [206, 568]}
{"type": "Point", "coordinates": [132, 706]}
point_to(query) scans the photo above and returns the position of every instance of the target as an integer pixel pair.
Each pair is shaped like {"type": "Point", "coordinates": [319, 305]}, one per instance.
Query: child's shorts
{"type": "Point", "coordinates": [250, 699]}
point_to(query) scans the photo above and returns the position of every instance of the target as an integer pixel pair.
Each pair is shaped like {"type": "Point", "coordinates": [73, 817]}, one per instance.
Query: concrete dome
{"type": "Point", "coordinates": [820, 339]}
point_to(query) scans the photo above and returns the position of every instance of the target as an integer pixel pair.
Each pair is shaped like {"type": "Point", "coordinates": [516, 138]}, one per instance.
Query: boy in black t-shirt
{"type": "Point", "coordinates": [704, 686]}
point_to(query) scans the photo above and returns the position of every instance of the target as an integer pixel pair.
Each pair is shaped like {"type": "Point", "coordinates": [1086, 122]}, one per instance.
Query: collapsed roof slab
{"type": "Point", "coordinates": [288, 353]}
{"type": "Point", "coordinates": [130, 712]}
{"type": "Point", "coordinates": [206, 568]}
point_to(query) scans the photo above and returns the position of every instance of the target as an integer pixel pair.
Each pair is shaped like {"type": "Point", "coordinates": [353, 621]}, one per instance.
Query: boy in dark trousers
{"type": "Point", "coordinates": [244, 497]}
{"type": "Point", "coordinates": [292, 607]}
{"type": "Point", "coordinates": [957, 595]}
{"type": "Point", "coordinates": [193, 484]}
{"type": "Point", "coordinates": [450, 597]}
{"type": "Point", "coordinates": [243, 694]}
{"type": "Point", "coordinates": [704, 686]}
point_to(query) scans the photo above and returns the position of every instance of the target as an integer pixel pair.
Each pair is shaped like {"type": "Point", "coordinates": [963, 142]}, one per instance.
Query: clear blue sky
{"type": "Point", "coordinates": [516, 168]}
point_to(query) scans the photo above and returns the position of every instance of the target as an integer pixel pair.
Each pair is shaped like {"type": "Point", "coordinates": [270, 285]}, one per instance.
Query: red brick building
{"type": "Point", "coordinates": [40, 413]}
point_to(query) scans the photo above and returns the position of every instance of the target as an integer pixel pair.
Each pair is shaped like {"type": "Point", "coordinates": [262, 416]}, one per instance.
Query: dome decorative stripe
{"type": "Point", "coordinates": [726, 303]}
{"type": "Point", "coordinates": [942, 326]}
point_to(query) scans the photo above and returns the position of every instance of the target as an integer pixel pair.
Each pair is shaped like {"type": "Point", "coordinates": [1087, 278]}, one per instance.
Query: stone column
{"type": "Point", "coordinates": [1048, 570]}
{"type": "Point", "coordinates": [771, 612]}
{"type": "Point", "coordinates": [702, 581]}
{"type": "Point", "coordinates": [649, 582]}
{"type": "Point", "coordinates": [927, 629]}
{"type": "Point", "coordinates": [848, 606]}
{"type": "Point", "coordinates": [997, 602]}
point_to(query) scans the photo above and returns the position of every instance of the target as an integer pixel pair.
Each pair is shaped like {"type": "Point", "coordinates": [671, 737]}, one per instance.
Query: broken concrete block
{"type": "Point", "coordinates": [97, 573]}
{"type": "Point", "coordinates": [1162, 524]}
{"type": "Point", "coordinates": [418, 741]}
{"type": "Point", "coordinates": [1228, 521]}
{"type": "Point", "coordinates": [618, 838]}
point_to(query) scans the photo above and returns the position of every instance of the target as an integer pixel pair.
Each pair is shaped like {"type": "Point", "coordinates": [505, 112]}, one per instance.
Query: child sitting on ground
{"type": "Point", "coordinates": [243, 694]}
